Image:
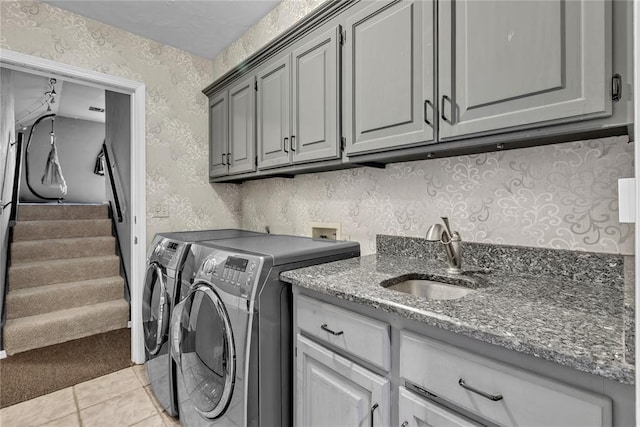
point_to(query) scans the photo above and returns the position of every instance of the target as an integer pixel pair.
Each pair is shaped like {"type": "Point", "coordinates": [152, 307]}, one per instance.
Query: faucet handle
{"type": "Point", "coordinates": [446, 224]}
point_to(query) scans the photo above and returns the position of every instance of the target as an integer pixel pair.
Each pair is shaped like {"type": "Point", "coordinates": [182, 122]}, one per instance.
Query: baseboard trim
{"type": "Point", "coordinates": [3, 354]}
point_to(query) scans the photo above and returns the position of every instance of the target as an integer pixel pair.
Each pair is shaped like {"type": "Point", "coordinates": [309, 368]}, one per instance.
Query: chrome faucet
{"type": "Point", "coordinates": [451, 241]}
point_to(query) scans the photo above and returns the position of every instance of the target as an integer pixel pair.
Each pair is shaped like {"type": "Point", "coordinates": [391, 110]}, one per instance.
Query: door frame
{"type": "Point", "coordinates": [136, 91]}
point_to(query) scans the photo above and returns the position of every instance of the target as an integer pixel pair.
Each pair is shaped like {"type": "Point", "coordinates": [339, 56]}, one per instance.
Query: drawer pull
{"type": "Point", "coordinates": [373, 408]}
{"type": "Point", "coordinates": [494, 397]}
{"type": "Point", "coordinates": [325, 328]}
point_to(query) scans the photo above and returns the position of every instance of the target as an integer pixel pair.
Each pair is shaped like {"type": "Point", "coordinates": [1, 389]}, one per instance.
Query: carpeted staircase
{"type": "Point", "coordinates": [64, 277]}
{"type": "Point", "coordinates": [66, 316]}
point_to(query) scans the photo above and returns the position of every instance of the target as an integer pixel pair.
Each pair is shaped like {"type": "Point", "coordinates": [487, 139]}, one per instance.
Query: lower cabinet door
{"type": "Point", "coordinates": [415, 411]}
{"type": "Point", "coordinates": [334, 391]}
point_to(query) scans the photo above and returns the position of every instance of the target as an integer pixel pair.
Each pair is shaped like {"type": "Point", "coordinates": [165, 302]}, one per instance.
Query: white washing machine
{"type": "Point", "coordinates": [165, 262]}
{"type": "Point", "coordinates": [231, 335]}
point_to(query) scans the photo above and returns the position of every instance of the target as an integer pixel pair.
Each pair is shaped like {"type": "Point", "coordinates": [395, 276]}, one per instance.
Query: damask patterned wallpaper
{"type": "Point", "coordinates": [558, 196]}
{"type": "Point", "coordinates": [176, 110]}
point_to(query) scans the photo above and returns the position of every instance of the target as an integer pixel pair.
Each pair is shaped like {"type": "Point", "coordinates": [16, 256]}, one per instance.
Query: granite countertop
{"type": "Point", "coordinates": [575, 323]}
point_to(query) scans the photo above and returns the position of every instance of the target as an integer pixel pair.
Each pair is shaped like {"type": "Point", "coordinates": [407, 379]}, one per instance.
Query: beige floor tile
{"type": "Point", "coordinates": [153, 398]}
{"type": "Point", "coordinates": [104, 388]}
{"type": "Point", "coordinates": [39, 410]}
{"type": "Point", "coordinates": [71, 420]}
{"type": "Point", "coordinates": [155, 421]}
{"type": "Point", "coordinates": [141, 373]}
{"type": "Point", "coordinates": [170, 421]}
{"type": "Point", "coordinates": [124, 410]}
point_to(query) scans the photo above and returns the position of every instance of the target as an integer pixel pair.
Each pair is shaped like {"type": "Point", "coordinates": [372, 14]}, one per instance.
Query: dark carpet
{"type": "Point", "coordinates": [44, 370]}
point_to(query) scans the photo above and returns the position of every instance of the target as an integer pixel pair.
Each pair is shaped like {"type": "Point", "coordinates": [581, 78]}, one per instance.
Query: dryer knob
{"type": "Point", "coordinates": [210, 266]}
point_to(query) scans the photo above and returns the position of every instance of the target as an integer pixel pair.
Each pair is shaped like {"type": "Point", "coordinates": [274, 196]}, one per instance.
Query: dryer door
{"type": "Point", "coordinates": [207, 356]}
{"type": "Point", "coordinates": [155, 309]}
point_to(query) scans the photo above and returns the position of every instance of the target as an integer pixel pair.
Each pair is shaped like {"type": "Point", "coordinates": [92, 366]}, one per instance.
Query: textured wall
{"type": "Point", "coordinates": [176, 110]}
{"type": "Point", "coordinates": [556, 196]}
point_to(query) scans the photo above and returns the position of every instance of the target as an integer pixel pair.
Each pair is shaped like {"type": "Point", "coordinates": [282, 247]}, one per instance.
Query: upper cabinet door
{"type": "Point", "coordinates": [274, 119]}
{"type": "Point", "coordinates": [315, 132]}
{"type": "Point", "coordinates": [218, 135]}
{"type": "Point", "coordinates": [507, 65]}
{"type": "Point", "coordinates": [242, 131]}
{"type": "Point", "coordinates": [389, 76]}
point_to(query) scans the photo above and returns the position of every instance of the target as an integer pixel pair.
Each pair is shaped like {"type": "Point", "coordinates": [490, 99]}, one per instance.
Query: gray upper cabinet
{"type": "Point", "coordinates": [242, 130]}
{"type": "Point", "coordinates": [218, 135]}
{"type": "Point", "coordinates": [298, 99]}
{"type": "Point", "coordinates": [232, 136]}
{"type": "Point", "coordinates": [274, 116]}
{"type": "Point", "coordinates": [315, 92]}
{"type": "Point", "coordinates": [389, 81]}
{"type": "Point", "coordinates": [509, 65]}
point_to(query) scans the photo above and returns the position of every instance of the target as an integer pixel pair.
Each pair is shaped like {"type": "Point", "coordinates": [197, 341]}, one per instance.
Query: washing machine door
{"type": "Point", "coordinates": [155, 309]}
{"type": "Point", "coordinates": [207, 357]}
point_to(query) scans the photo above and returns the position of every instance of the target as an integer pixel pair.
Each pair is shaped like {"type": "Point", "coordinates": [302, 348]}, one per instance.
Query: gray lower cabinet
{"type": "Point", "coordinates": [333, 391]}
{"type": "Point", "coordinates": [509, 65]}
{"type": "Point", "coordinates": [414, 411]}
{"type": "Point", "coordinates": [298, 98]}
{"type": "Point", "coordinates": [232, 130]}
{"type": "Point", "coordinates": [389, 80]}
{"type": "Point", "coordinates": [496, 392]}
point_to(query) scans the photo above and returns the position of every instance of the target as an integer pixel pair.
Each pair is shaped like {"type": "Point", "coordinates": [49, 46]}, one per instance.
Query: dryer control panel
{"type": "Point", "coordinates": [234, 273]}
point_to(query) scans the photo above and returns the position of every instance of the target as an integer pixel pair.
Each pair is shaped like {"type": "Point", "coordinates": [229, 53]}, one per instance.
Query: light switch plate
{"type": "Point", "coordinates": [627, 200]}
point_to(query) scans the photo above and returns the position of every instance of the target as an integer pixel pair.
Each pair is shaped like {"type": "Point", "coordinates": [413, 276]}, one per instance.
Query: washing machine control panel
{"type": "Point", "coordinates": [167, 253]}
{"type": "Point", "coordinates": [235, 273]}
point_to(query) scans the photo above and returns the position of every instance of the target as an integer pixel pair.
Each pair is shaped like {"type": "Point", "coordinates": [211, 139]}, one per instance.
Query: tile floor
{"type": "Point", "coordinates": [123, 398]}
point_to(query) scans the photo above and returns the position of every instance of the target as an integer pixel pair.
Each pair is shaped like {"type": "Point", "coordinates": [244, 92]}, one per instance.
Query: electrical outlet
{"type": "Point", "coordinates": [161, 211]}
{"type": "Point", "coordinates": [325, 230]}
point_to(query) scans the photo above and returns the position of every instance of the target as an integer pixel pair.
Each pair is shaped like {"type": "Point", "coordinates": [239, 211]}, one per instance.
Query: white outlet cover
{"type": "Point", "coordinates": [627, 200]}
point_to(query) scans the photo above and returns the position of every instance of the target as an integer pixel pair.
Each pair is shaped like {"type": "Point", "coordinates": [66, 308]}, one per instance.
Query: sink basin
{"type": "Point", "coordinates": [430, 289]}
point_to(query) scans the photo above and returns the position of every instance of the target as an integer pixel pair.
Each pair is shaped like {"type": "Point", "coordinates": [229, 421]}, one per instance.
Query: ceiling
{"type": "Point", "coordinates": [202, 27]}
{"type": "Point", "coordinates": [71, 100]}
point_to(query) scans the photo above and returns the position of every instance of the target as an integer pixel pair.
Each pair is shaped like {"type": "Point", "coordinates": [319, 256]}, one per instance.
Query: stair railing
{"type": "Point", "coordinates": [116, 213]}
{"type": "Point", "coordinates": [15, 192]}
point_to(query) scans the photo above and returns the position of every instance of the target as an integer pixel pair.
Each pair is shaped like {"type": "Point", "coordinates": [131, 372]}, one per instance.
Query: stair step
{"type": "Point", "coordinates": [50, 249]}
{"type": "Point", "coordinates": [39, 212]}
{"type": "Point", "coordinates": [44, 299]}
{"type": "Point", "coordinates": [41, 273]}
{"type": "Point", "coordinates": [27, 333]}
{"type": "Point", "coordinates": [61, 229]}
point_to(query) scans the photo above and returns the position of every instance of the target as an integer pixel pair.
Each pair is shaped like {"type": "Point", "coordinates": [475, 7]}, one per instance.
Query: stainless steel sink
{"type": "Point", "coordinates": [430, 289]}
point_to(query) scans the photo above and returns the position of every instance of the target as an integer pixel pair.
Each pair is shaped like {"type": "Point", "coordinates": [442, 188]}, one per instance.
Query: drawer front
{"type": "Point", "coordinates": [359, 335]}
{"type": "Point", "coordinates": [520, 398]}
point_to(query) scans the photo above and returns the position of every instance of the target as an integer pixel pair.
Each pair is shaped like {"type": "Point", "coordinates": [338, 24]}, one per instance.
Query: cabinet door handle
{"type": "Point", "coordinates": [286, 140]}
{"type": "Point", "coordinates": [426, 114]}
{"type": "Point", "coordinates": [493, 397]}
{"type": "Point", "coordinates": [405, 424]}
{"type": "Point", "coordinates": [224, 161]}
{"type": "Point", "coordinates": [325, 328]}
{"type": "Point", "coordinates": [293, 143]}
{"type": "Point", "coordinates": [229, 159]}
{"type": "Point", "coordinates": [373, 408]}
{"type": "Point", "coordinates": [444, 117]}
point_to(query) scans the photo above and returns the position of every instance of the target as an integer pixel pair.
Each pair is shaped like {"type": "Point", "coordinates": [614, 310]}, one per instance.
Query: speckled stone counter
{"type": "Point", "coordinates": [574, 322]}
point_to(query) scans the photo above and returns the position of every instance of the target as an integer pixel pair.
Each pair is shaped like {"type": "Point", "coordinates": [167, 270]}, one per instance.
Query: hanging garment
{"type": "Point", "coordinates": [98, 169]}
{"type": "Point", "coordinates": [52, 170]}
